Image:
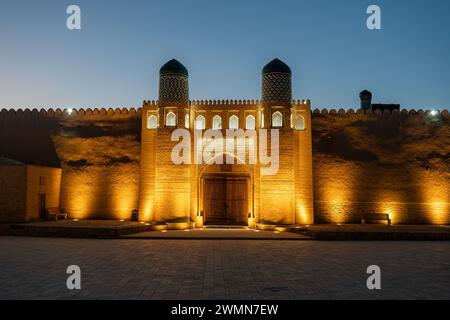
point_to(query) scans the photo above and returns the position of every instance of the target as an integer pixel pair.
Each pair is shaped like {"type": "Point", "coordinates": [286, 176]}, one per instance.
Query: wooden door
{"type": "Point", "coordinates": [236, 202]}
{"type": "Point", "coordinates": [215, 201]}
{"type": "Point", "coordinates": [226, 201]}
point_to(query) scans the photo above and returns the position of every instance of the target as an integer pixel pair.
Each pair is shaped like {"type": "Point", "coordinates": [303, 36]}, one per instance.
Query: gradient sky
{"type": "Point", "coordinates": [114, 60]}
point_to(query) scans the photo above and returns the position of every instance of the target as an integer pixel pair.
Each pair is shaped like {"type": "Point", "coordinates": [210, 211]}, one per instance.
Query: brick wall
{"type": "Point", "coordinates": [12, 193]}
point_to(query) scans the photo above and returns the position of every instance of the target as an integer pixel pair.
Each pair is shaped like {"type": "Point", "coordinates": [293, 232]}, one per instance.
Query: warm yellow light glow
{"type": "Point", "coordinates": [435, 192]}
{"type": "Point", "coordinates": [76, 220]}
{"type": "Point", "coordinates": [339, 191]}
{"type": "Point", "coordinates": [123, 194]}
{"type": "Point", "coordinates": [78, 193]}
{"type": "Point", "coordinates": [96, 192]}
{"type": "Point", "coordinates": [303, 214]}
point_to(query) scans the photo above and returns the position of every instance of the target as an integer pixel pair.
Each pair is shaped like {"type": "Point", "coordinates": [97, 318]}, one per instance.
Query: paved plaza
{"type": "Point", "coordinates": [35, 268]}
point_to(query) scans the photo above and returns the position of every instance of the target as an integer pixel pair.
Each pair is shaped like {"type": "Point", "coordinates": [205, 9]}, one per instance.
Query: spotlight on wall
{"type": "Point", "coordinates": [69, 111]}
{"type": "Point", "coordinates": [434, 113]}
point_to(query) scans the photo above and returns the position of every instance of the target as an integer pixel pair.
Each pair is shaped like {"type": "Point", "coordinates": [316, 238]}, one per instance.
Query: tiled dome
{"type": "Point", "coordinates": [276, 66]}
{"type": "Point", "coordinates": [174, 67]}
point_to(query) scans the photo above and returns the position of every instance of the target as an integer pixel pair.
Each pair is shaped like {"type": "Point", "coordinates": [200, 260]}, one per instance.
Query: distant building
{"type": "Point", "coordinates": [366, 100]}
{"type": "Point", "coordinates": [27, 190]}
{"type": "Point", "coordinates": [366, 103]}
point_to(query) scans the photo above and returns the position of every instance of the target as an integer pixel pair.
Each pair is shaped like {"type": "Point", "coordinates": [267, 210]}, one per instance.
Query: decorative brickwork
{"type": "Point", "coordinates": [173, 88]}
{"type": "Point", "coordinates": [276, 87]}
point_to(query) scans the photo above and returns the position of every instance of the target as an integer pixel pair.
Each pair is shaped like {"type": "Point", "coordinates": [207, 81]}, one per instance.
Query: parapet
{"type": "Point", "coordinates": [225, 103]}
{"type": "Point", "coordinates": [73, 114]}
{"type": "Point", "coordinates": [130, 112]}
{"type": "Point", "coordinates": [360, 112]}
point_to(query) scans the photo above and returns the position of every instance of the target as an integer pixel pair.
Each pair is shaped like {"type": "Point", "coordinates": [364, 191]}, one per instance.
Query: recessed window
{"type": "Point", "coordinates": [186, 121]}
{"type": "Point", "coordinates": [217, 123]}
{"type": "Point", "coordinates": [200, 123]}
{"type": "Point", "coordinates": [250, 123]}
{"type": "Point", "coordinates": [42, 181]}
{"type": "Point", "coordinates": [234, 122]}
{"type": "Point", "coordinates": [277, 119]}
{"type": "Point", "coordinates": [171, 119]}
{"type": "Point", "coordinates": [152, 122]}
{"type": "Point", "coordinates": [299, 122]}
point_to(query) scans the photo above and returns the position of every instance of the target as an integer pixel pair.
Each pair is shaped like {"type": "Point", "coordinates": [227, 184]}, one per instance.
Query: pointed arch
{"type": "Point", "coordinates": [187, 121]}
{"type": "Point", "coordinates": [250, 122]}
{"type": "Point", "coordinates": [299, 122]}
{"type": "Point", "coordinates": [171, 119]}
{"type": "Point", "coordinates": [152, 122]}
{"type": "Point", "coordinates": [277, 119]}
{"type": "Point", "coordinates": [200, 123]}
{"type": "Point", "coordinates": [217, 122]}
{"type": "Point", "coordinates": [233, 122]}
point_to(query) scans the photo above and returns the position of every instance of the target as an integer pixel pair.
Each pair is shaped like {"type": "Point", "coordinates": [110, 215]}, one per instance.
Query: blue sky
{"type": "Point", "coordinates": [114, 60]}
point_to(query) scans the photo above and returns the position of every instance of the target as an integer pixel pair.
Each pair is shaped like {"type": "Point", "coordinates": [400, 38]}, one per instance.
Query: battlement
{"type": "Point", "coordinates": [360, 112]}
{"type": "Point", "coordinates": [121, 113]}
{"type": "Point", "coordinates": [226, 103]}
{"type": "Point", "coordinates": [72, 113]}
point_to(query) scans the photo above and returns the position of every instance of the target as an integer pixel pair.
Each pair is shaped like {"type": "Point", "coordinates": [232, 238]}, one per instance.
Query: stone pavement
{"type": "Point", "coordinates": [34, 268]}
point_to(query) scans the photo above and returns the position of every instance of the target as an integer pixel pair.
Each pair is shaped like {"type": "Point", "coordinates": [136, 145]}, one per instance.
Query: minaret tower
{"type": "Point", "coordinates": [291, 188]}
{"type": "Point", "coordinates": [158, 175]}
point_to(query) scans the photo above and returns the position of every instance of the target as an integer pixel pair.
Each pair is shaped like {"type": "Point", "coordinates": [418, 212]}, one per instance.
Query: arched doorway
{"type": "Point", "coordinates": [226, 194]}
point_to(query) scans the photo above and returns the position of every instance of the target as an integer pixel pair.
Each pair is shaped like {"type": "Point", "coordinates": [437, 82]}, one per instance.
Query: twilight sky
{"type": "Point", "coordinates": [114, 60]}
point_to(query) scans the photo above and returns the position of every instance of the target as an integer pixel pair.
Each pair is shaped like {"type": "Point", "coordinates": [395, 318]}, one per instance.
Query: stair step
{"type": "Point", "coordinates": [226, 227]}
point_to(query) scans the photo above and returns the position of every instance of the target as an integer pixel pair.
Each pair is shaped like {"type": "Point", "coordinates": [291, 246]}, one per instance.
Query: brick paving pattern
{"type": "Point", "coordinates": [34, 268]}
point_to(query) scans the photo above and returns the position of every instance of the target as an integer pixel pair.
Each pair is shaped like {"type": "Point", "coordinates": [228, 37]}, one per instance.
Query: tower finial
{"type": "Point", "coordinates": [277, 82]}
{"type": "Point", "coordinates": [173, 83]}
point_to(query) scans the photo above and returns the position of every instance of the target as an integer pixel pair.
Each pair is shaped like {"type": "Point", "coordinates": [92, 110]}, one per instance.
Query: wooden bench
{"type": "Point", "coordinates": [369, 217]}
{"type": "Point", "coordinates": [56, 214]}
